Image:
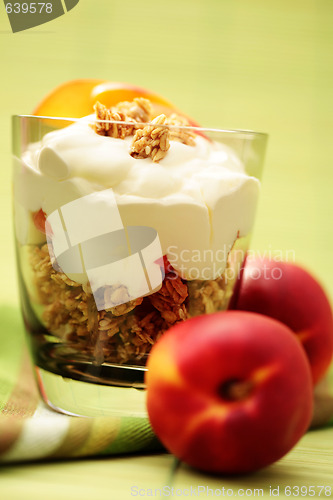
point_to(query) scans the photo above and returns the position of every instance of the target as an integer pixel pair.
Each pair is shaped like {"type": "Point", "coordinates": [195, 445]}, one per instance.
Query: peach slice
{"type": "Point", "coordinates": [76, 98]}
{"type": "Point", "coordinates": [110, 93]}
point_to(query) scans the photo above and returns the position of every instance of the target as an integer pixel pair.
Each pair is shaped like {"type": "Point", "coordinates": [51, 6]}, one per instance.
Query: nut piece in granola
{"type": "Point", "coordinates": [152, 141]}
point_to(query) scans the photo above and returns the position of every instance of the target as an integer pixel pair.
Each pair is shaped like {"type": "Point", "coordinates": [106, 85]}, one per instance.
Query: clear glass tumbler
{"type": "Point", "coordinates": [114, 248]}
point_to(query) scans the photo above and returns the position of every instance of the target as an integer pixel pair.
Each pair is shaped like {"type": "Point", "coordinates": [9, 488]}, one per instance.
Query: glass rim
{"type": "Point", "coordinates": [181, 127]}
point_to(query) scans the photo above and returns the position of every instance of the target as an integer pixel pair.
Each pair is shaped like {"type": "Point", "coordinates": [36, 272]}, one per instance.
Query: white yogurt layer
{"type": "Point", "coordinates": [198, 198]}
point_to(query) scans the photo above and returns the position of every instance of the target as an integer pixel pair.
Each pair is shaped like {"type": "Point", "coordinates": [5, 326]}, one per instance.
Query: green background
{"type": "Point", "coordinates": [264, 65]}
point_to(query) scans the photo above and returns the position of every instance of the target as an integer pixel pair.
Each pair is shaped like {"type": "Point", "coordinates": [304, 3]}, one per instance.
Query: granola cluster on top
{"type": "Point", "coordinates": [149, 141]}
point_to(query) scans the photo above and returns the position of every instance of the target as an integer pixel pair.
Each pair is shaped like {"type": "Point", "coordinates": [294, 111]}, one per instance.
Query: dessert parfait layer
{"type": "Point", "coordinates": [192, 190]}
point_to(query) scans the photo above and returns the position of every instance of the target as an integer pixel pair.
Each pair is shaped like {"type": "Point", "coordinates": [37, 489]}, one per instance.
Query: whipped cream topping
{"type": "Point", "coordinates": [198, 198]}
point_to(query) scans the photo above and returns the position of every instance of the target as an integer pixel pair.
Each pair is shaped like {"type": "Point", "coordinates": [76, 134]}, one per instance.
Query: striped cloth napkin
{"type": "Point", "coordinates": [30, 431]}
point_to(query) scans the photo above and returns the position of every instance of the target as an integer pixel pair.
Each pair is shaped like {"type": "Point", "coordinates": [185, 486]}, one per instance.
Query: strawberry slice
{"type": "Point", "coordinates": [164, 264]}
{"type": "Point", "coordinates": [39, 219]}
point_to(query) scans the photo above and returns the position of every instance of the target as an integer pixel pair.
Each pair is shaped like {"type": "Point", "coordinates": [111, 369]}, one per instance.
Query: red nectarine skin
{"type": "Point", "coordinates": [195, 364]}
{"type": "Point", "coordinates": [297, 300]}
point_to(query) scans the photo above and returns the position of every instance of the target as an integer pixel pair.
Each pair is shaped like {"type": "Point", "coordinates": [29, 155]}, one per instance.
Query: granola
{"type": "Point", "coordinates": [208, 296]}
{"type": "Point", "coordinates": [113, 335]}
{"type": "Point", "coordinates": [117, 130]}
{"type": "Point", "coordinates": [150, 141]}
{"type": "Point", "coordinates": [124, 333]}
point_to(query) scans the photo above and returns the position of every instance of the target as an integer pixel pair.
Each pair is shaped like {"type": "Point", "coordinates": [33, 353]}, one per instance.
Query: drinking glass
{"type": "Point", "coordinates": [103, 275]}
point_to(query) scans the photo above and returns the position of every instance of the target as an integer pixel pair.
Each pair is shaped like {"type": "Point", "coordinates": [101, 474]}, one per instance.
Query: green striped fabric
{"type": "Point", "coordinates": [30, 431]}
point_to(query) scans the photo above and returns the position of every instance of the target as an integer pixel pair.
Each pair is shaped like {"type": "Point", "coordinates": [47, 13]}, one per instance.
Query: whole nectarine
{"type": "Point", "coordinates": [288, 293]}
{"type": "Point", "coordinates": [229, 392]}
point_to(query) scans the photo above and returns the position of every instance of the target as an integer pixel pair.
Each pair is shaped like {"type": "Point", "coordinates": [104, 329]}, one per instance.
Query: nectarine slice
{"type": "Point", "coordinates": [76, 98]}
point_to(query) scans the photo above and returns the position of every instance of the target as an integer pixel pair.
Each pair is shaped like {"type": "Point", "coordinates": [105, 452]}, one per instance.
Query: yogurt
{"type": "Point", "coordinates": [198, 198]}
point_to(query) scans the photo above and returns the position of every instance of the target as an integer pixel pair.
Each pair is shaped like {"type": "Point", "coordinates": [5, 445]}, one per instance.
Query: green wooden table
{"type": "Point", "coordinates": [258, 65]}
